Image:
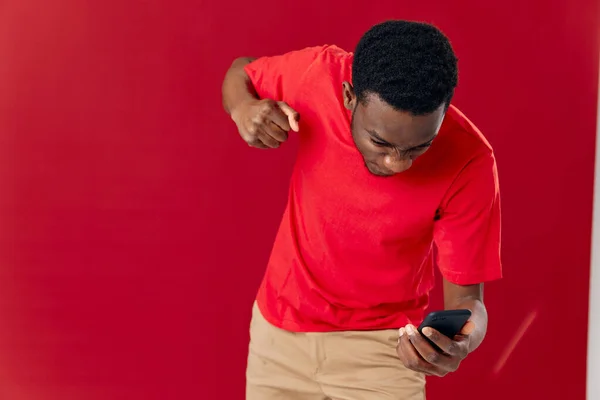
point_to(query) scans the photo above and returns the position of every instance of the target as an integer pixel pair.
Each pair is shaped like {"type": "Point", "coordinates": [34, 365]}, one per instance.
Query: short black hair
{"type": "Point", "coordinates": [410, 65]}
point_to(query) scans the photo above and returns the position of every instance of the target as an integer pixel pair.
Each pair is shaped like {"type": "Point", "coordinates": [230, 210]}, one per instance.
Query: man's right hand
{"type": "Point", "coordinates": [265, 123]}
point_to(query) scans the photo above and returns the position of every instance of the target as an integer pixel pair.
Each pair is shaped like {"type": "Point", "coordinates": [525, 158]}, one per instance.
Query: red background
{"type": "Point", "coordinates": [135, 224]}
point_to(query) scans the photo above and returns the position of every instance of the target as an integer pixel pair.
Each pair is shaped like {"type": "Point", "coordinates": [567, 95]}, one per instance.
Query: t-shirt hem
{"type": "Point", "coordinates": [294, 326]}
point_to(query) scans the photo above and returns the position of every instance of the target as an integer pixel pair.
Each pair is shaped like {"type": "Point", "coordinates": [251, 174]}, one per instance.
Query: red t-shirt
{"type": "Point", "coordinates": [355, 251]}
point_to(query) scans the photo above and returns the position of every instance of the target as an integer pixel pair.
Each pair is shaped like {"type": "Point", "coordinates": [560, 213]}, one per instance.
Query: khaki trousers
{"type": "Point", "coordinates": [349, 365]}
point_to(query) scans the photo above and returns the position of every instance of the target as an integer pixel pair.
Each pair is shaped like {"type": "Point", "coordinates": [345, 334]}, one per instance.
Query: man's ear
{"type": "Point", "coordinates": [348, 95]}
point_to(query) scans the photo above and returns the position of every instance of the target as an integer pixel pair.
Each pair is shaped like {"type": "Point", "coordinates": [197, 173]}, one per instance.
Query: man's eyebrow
{"type": "Point", "coordinates": [420, 146]}
{"type": "Point", "coordinates": [426, 144]}
{"type": "Point", "coordinates": [376, 136]}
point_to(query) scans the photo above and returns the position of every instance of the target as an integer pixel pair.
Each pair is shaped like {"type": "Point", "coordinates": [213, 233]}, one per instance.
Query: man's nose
{"type": "Point", "coordinates": [397, 164]}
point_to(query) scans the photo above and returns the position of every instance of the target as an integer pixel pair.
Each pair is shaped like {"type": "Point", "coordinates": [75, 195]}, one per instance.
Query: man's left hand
{"type": "Point", "coordinates": [417, 354]}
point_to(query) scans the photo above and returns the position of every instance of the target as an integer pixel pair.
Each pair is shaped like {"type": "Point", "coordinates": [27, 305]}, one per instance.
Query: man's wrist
{"type": "Point", "coordinates": [238, 110]}
{"type": "Point", "coordinates": [479, 318]}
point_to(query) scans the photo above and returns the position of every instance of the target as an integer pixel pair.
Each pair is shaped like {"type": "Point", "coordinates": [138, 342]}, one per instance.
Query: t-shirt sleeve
{"type": "Point", "coordinates": [467, 233]}
{"type": "Point", "coordinates": [278, 77]}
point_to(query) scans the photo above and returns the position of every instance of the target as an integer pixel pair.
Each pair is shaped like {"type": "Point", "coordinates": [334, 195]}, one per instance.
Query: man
{"type": "Point", "coordinates": [389, 179]}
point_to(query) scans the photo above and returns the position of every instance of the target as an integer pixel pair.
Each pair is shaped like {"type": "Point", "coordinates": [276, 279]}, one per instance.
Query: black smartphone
{"type": "Point", "coordinates": [447, 322]}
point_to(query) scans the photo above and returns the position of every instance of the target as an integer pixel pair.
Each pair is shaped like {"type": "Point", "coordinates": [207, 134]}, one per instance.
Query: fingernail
{"type": "Point", "coordinates": [427, 332]}
{"type": "Point", "coordinates": [401, 332]}
{"type": "Point", "coordinates": [410, 330]}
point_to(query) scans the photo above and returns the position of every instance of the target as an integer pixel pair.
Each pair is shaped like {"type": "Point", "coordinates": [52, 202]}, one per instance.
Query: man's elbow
{"type": "Point", "coordinates": [241, 62]}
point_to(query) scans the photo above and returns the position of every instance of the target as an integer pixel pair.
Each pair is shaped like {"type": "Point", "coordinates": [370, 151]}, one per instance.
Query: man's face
{"type": "Point", "coordinates": [389, 140]}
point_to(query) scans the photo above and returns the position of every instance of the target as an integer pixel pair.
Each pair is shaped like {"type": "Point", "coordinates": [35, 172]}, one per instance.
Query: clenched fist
{"type": "Point", "coordinates": [265, 123]}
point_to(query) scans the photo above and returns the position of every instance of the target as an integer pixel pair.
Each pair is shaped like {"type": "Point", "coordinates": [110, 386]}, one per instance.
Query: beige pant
{"type": "Point", "coordinates": [350, 365]}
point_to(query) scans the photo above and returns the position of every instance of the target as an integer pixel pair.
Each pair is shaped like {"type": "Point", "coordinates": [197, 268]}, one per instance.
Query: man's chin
{"type": "Point", "coordinates": [377, 172]}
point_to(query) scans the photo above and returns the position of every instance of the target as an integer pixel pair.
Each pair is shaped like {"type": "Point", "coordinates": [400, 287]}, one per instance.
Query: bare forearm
{"type": "Point", "coordinates": [469, 297]}
{"type": "Point", "coordinates": [479, 317]}
{"type": "Point", "coordinates": [237, 87]}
